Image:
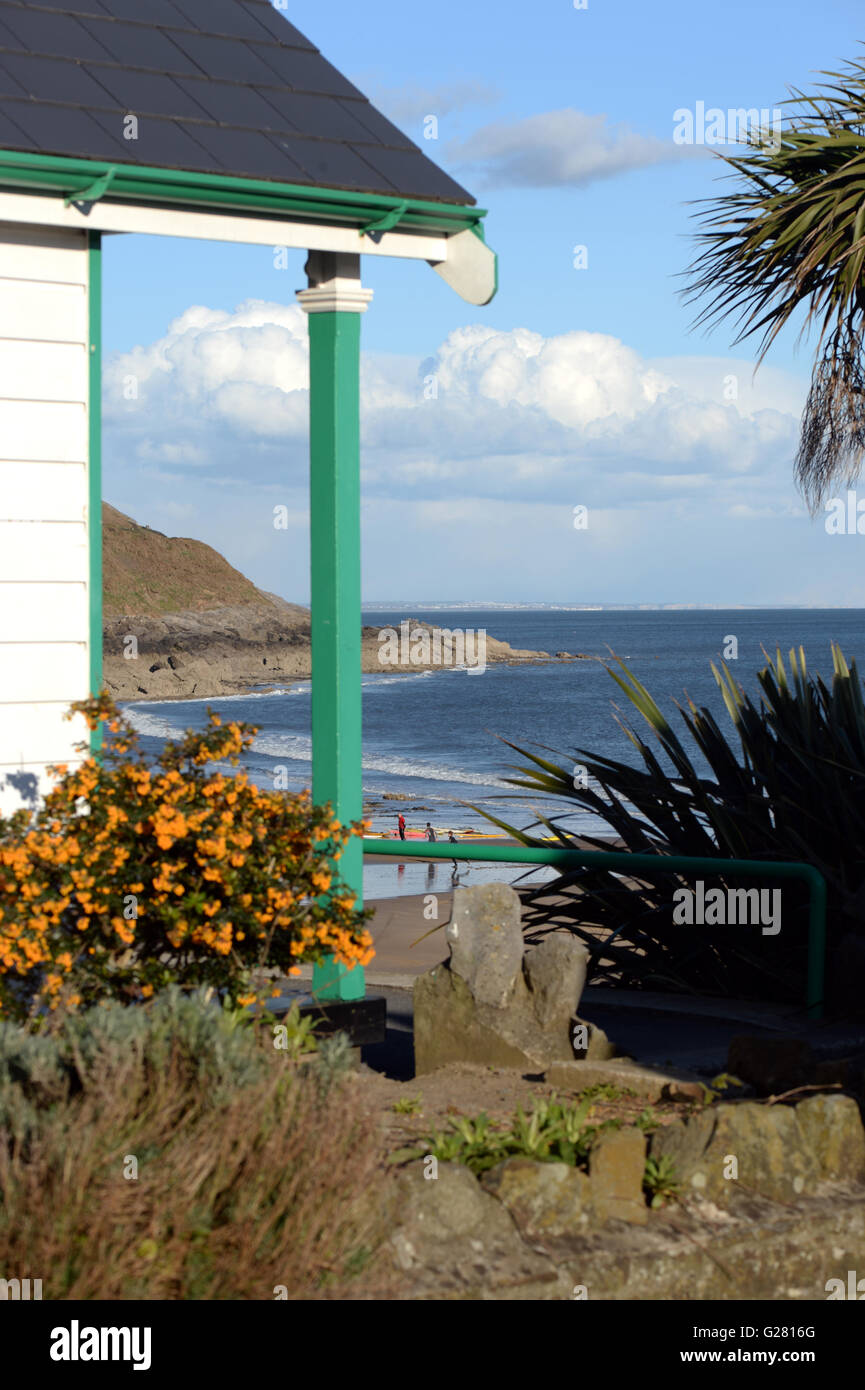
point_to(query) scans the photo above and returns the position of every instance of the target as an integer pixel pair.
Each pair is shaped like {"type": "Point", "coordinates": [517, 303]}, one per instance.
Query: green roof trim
{"type": "Point", "coordinates": [86, 180]}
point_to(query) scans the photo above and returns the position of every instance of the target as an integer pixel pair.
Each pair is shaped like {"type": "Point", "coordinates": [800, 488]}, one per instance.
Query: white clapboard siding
{"type": "Point", "coordinates": [27, 783]}
{"type": "Point", "coordinates": [28, 669]}
{"type": "Point", "coordinates": [43, 491]}
{"type": "Point", "coordinates": [50, 370]}
{"type": "Point", "coordinates": [62, 609]}
{"type": "Point", "coordinates": [44, 511]}
{"type": "Point", "coordinates": [43, 724]}
{"type": "Point", "coordinates": [40, 552]}
{"type": "Point", "coordinates": [17, 245]}
{"type": "Point", "coordinates": [43, 431]}
{"type": "Point", "coordinates": [34, 311]}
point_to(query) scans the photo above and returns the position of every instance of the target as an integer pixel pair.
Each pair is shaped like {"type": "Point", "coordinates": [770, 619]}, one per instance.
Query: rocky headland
{"type": "Point", "coordinates": [180, 622]}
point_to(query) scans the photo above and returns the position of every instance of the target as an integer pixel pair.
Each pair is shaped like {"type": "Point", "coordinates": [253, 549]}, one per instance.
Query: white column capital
{"type": "Point", "coordinates": [334, 284]}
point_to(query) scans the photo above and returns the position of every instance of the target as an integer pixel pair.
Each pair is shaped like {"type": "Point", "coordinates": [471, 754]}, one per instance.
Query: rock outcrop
{"type": "Point", "coordinates": [180, 621]}
{"type": "Point", "coordinates": [790, 1225]}
{"type": "Point", "coordinates": [498, 1002]}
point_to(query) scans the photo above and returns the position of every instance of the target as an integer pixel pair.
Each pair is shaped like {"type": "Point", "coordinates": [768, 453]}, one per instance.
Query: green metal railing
{"type": "Point", "coordinates": [623, 860]}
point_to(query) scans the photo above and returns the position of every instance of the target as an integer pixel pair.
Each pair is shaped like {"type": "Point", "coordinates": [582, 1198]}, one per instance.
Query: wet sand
{"type": "Point", "coordinates": [396, 927]}
{"type": "Point", "coordinates": [400, 922]}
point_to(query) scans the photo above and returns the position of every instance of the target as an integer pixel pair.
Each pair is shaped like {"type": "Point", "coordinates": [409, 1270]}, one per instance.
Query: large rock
{"type": "Point", "coordinates": [486, 941]}
{"type": "Point", "coordinates": [750, 1148]}
{"type": "Point", "coordinates": [495, 1003]}
{"type": "Point", "coordinates": [456, 1241]}
{"type": "Point", "coordinates": [831, 1129]}
{"type": "Point", "coordinates": [451, 1026]}
{"type": "Point", "coordinates": [617, 1164]}
{"type": "Point", "coordinates": [684, 1143]}
{"type": "Point", "coordinates": [545, 1199]}
{"type": "Point", "coordinates": [556, 974]}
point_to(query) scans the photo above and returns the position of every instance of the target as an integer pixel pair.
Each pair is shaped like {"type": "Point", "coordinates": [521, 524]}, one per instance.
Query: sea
{"type": "Point", "coordinates": [433, 741]}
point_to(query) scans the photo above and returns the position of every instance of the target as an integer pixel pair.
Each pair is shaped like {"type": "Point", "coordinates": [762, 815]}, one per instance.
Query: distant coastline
{"type": "Point", "coordinates": [490, 606]}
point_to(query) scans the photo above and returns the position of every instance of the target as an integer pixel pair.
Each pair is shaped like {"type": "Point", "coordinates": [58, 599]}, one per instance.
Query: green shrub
{"type": "Point", "coordinates": [793, 790]}
{"type": "Point", "coordinates": [553, 1132]}
{"type": "Point", "coordinates": [169, 1151]}
{"type": "Point", "coordinates": [133, 876]}
{"type": "Point", "coordinates": [212, 1049]}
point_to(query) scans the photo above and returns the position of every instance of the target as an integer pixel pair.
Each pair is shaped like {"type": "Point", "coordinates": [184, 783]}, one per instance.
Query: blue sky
{"type": "Point", "coordinates": [574, 387]}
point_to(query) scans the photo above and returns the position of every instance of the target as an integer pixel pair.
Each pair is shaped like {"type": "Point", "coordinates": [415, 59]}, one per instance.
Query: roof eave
{"type": "Point", "coordinates": [75, 178]}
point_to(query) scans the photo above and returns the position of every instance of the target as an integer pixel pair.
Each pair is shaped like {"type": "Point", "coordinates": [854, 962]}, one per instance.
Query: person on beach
{"type": "Point", "coordinates": [452, 839]}
{"type": "Point", "coordinates": [430, 833]}
{"type": "Point", "coordinates": [401, 825]}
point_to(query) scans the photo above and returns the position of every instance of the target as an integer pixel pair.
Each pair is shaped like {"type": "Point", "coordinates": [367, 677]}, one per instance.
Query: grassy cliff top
{"type": "Point", "coordinates": [148, 574]}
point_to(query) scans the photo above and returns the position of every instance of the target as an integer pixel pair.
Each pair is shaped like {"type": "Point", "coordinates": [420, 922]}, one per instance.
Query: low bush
{"type": "Point", "coordinates": [132, 876]}
{"type": "Point", "coordinates": [172, 1152]}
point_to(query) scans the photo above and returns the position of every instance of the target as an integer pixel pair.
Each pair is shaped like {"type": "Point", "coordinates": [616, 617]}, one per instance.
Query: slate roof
{"type": "Point", "coordinates": [225, 87]}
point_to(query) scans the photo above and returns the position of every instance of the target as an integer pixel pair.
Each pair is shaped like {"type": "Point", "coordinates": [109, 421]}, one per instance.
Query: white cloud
{"type": "Point", "coordinates": [249, 368]}
{"type": "Point", "coordinates": [553, 149]}
{"type": "Point", "coordinates": [517, 416]}
{"type": "Point", "coordinates": [409, 104]}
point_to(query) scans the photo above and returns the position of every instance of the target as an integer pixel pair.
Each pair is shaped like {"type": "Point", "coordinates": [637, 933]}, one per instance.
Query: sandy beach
{"type": "Point", "coordinates": [399, 922]}
{"type": "Point", "coordinates": [406, 943]}
{"type": "Point", "coordinates": [396, 928]}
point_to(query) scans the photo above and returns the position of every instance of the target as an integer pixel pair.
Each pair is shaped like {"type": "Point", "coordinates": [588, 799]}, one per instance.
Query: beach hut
{"type": "Point", "coordinates": [209, 119]}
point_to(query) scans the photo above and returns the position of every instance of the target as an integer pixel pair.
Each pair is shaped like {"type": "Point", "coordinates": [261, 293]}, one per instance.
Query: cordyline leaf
{"type": "Point", "coordinates": [794, 789]}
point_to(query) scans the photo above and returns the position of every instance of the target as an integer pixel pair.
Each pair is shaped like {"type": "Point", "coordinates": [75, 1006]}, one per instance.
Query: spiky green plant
{"type": "Point", "coordinates": [660, 1182]}
{"type": "Point", "coordinates": [794, 790]}
{"type": "Point", "coordinates": [789, 239]}
{"type": "Point", "coordinates": [554, 1131]}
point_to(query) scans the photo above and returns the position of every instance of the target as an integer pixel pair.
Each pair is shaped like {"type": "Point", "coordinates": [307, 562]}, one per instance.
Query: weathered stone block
{"type": "Point", "coordinates": [684, 1142]}
{"type": "Point", "coordinates": [617, 1164]}
{"type": "Point", "coordinates": [454, 1240]}
{"type": "Point", "coordinates": [832, 1132]}
{"type": "Point", "coordinates": [486, 941]}
{"type": "Point", "coordinates": [491, 1004]}
{"type": "Point", "coordinates": [578, 1076]}
{"type": "Point", "coordinates": [450, 1026]}
{"type": "Point", "coordinates": [546, 1199]}
{"type": "Point", "coordinates": [751, 1148]}
{"type": "Point", "coordinates": [556, 974]}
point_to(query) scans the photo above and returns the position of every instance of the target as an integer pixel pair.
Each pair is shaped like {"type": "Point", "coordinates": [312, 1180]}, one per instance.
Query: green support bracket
{"type": "Point", "coordinates": [388, 221]}
{"type": "Point", "coordinates": [95, 191]}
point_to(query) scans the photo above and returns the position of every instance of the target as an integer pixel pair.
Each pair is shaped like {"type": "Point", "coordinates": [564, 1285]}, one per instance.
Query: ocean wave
{"type": "Point", "coordinates": [209, 699]}
{"type": "Point", "coordinates": [298, 748]}
{"type": "Point", "coordinates": [152, 725]}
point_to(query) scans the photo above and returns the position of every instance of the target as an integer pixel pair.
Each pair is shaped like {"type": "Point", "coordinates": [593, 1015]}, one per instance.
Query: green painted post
{"type": "Point", "coordinates": [94, 469]}
{"type": "Point", "coordinates": [334, 302]}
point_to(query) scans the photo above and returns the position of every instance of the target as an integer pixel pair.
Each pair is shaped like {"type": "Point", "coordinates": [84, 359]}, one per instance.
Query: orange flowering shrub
{"type": "Point", "coordinates": [132, 876]}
